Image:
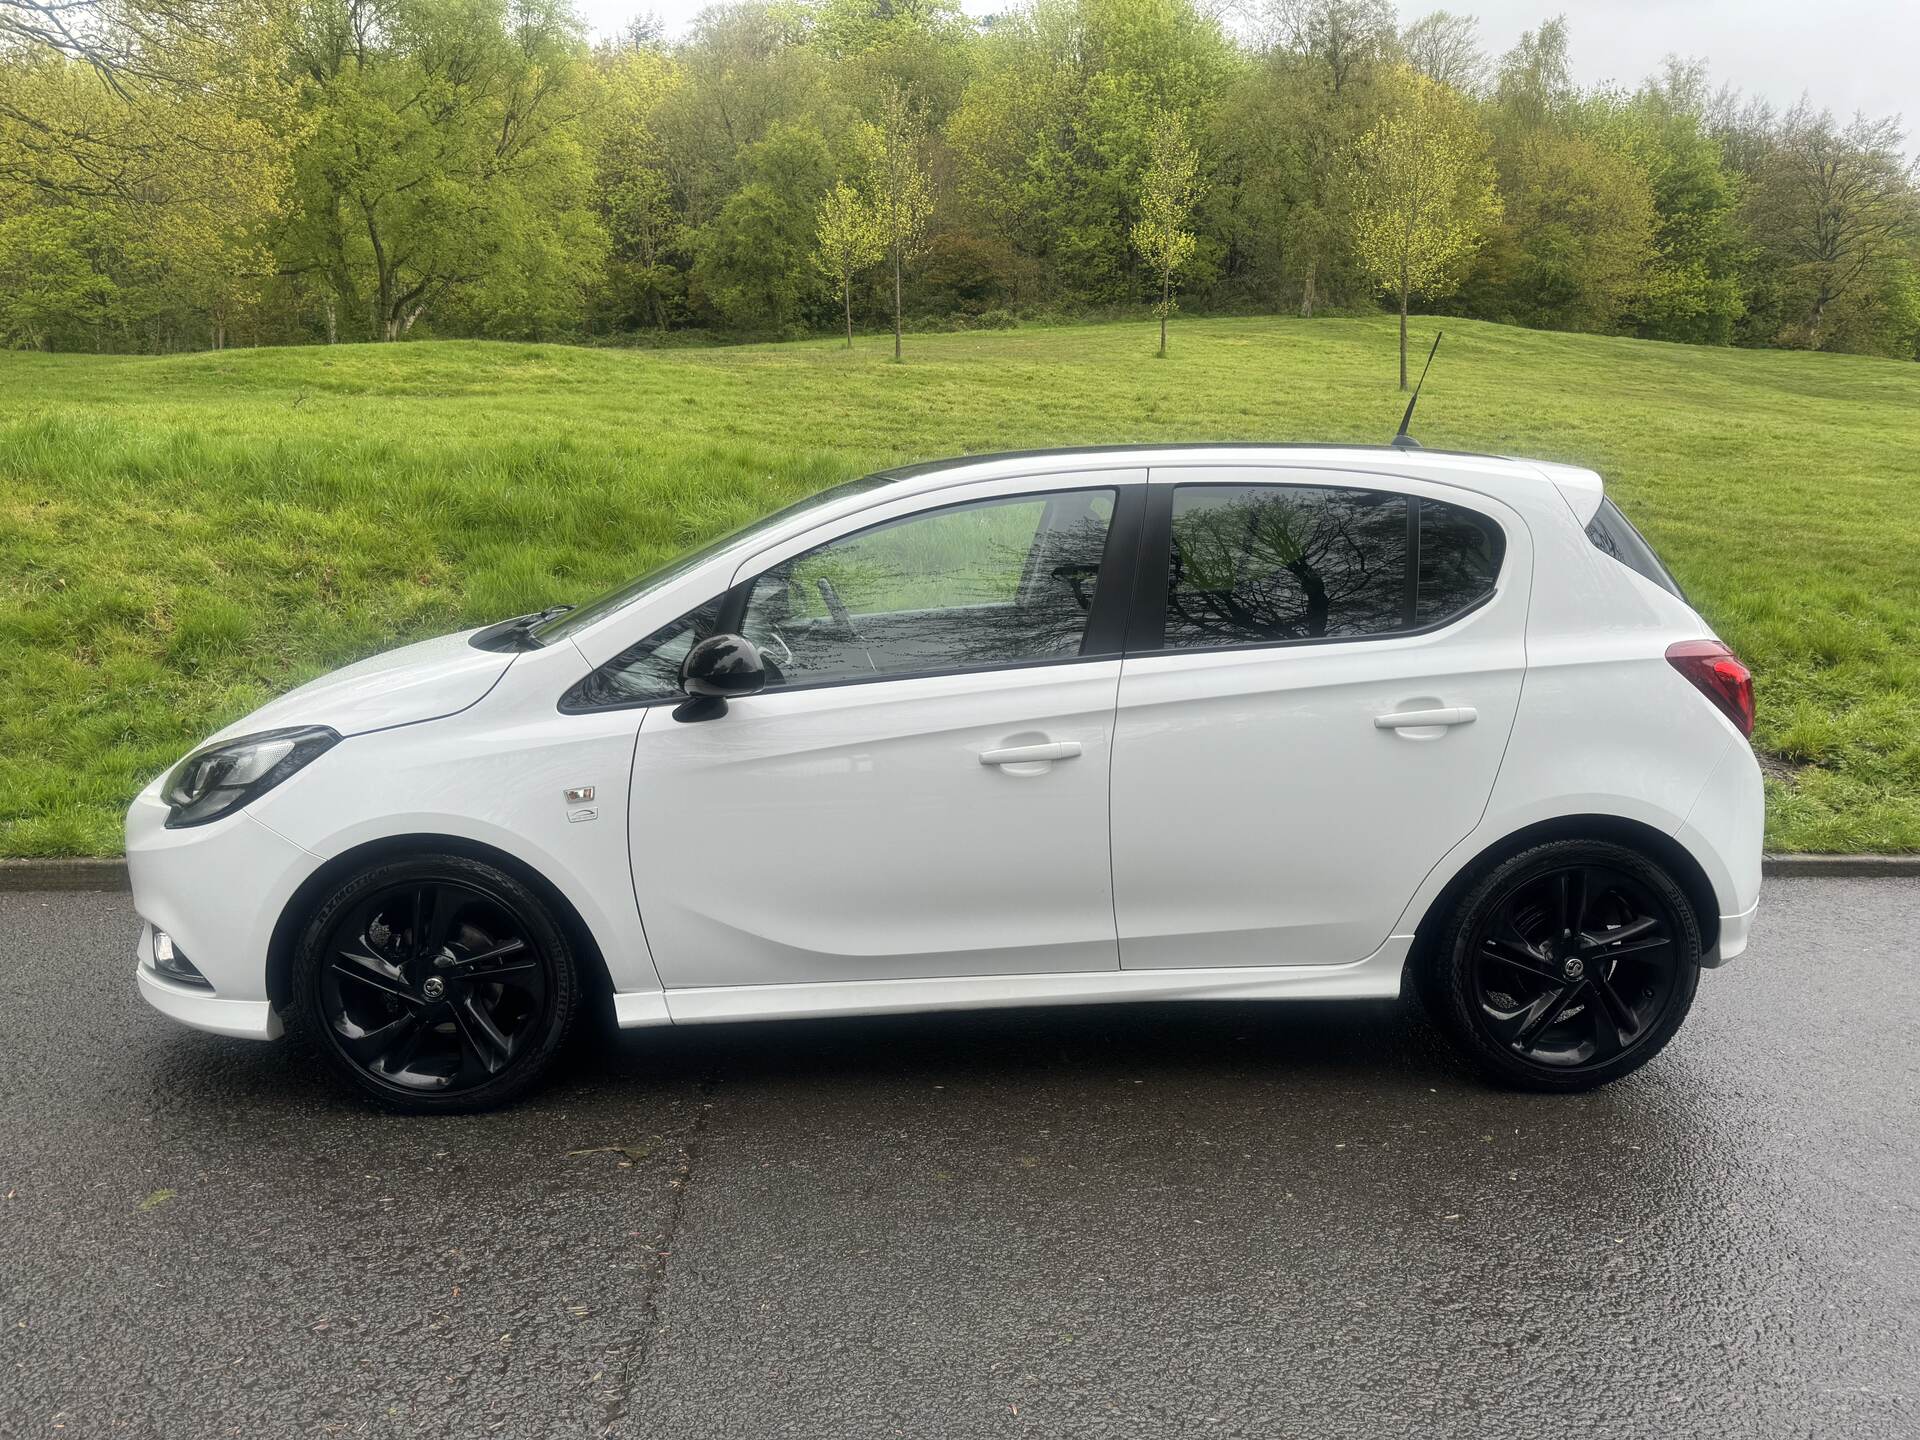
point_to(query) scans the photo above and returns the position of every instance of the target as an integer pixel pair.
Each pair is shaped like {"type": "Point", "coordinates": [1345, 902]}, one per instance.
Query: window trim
{"type": "Point", "coordinates": [1108, 621]}
{"type": "Point", "coordinates": [1146, 634]}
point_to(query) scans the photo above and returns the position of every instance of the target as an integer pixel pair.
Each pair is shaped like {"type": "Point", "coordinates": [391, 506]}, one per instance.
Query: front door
{"type": "Point", "coordinates": [922, 788]}
{"type": "Point", "coordinates": [1318, 715]}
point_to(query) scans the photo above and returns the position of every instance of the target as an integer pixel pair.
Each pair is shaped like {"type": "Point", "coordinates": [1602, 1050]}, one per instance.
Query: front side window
{"type": "Point", "coordinates": [967, 587]}
{"type": "Point", "coordinates": [1274, 564]}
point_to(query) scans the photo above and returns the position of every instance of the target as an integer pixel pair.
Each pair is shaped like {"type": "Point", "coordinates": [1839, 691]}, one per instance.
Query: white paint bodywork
{"type": "Point", "coordinates": [1235, 824]}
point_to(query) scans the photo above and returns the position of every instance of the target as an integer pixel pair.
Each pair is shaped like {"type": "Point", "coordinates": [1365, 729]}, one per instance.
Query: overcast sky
{"type": "Point", "coordinates": [1848, 54]}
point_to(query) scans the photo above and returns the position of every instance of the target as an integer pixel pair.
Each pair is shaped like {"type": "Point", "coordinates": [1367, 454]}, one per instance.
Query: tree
{"type": "Point", "coordinates": [754, 260]}
{"type": "Point", "coordinates": [901, 188]}
{"type": "Point", "coordinates": [850, 241]}
{"type": "Point", "coordinates": [1834, 205]}
{"type": "Point", "coordinates": [632, 188]}
{"type": "Point", "coordinates": [441, 155]}
{"type": "Point", "coordinates": [1446, 47]}
{"type": "Point", "coordinates": [1423, 194]}
{"type": "Point", "coordinates": [1168, 188]}
{"type": "Point", "coordinates": [1343, 36]}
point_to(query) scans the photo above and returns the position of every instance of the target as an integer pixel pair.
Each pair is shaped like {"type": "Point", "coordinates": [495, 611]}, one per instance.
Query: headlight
{"type": "Point", "coordinates": [220, 779]}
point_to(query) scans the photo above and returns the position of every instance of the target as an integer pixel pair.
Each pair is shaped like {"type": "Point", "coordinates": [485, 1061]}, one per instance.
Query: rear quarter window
{"type": "Point", "coordinates": [1613, 534]}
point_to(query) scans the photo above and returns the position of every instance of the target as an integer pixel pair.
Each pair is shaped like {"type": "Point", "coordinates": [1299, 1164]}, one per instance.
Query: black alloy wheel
{"type": "Point", "coordinates": [1569, 965]}
{"type": "Point", "coordinates": [435, 983]}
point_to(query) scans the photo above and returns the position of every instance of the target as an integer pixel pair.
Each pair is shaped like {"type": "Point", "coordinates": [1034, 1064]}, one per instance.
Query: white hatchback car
{"type": "Point", "coordinates": [1134, 724]}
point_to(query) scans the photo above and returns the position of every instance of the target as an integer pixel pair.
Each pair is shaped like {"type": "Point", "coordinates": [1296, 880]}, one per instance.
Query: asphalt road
{"type": "Point", "coordinates": [1130, 1222]}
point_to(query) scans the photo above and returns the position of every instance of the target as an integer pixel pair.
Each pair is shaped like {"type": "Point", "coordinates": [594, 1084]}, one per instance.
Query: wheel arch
{"type": "Point", "coordinates": [595, 977]}
{"type": "Point", "coordinates": [1634, 834]}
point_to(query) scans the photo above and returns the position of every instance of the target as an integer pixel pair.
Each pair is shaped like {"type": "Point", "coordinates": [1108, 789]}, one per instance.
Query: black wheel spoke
{"type": "Point", "coordinates": [505, 958]}
{"type": "Point", "coordinates": [1522, 958]}
{"type": "Point", "coordinates": [364, 967]}
{"type": "Point", "coordinates": [1632, 930]}
{"type": "Point", "coordinates": [433, 907]}
{"type": "Point", "coordinates": [1570, 910]}
{"type": "Point", "coordinates": [1521, 1028]}
{"type": "Point", "coordinates": [1614, 1025]}
{"type": "Point", "coordinates": [1634, 947]}
{"type": "Point", "coordinates": [372, 1047]}
{"type": "Point", "coordinates": [483, 1037]}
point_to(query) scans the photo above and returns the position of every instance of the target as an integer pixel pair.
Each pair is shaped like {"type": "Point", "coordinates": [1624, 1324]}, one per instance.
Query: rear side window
{"type": "Point", "coordinates": [1613, 534]}
{"type": "Point", "coordinates": [1273, 564]}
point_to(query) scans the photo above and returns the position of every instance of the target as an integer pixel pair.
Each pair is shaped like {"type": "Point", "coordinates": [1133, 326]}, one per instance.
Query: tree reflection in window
{"type": "Point", "coordinates": [1259, 564]}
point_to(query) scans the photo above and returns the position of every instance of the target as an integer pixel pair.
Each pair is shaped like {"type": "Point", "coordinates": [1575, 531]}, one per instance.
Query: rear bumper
{"type": "Point", "coordinates": [1725, 832]}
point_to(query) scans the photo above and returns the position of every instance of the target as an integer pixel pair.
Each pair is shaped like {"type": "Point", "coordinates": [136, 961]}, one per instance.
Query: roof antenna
{"type": "Point", "coordinates": [1402, 440]}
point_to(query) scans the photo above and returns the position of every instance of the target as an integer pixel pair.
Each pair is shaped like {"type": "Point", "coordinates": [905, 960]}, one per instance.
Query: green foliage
{"type": "Point", "coordinates": [183, 536]}
{"type": "Point", "coordinates": [1423, 194]}
{"type": "Point", "coordinates": [387, 168]}
{"type": "Point", "coordinates": [851, 240]}
{"type": "Point", "coordinates": [1169, 185]}
{"type": "Point", "coordinates": [901, 188]}
{"type": "Point", "coordinates": [753, 260]}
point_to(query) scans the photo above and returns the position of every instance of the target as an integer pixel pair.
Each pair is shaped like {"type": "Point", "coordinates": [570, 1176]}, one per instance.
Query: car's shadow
{"type": "Point", "coordinates": [1303, 1043]}
{"type": "Point", "coordinates": [1385, 1046]}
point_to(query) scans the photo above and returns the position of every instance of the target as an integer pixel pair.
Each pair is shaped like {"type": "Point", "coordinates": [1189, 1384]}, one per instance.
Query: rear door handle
{"type": "Point", "coordinates": [1028, 754]}
{"type": "Point", "coordinates": [1418, 719]}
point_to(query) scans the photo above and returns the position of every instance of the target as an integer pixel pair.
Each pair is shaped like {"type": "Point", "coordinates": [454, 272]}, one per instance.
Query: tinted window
{"type": "Point", "coordinates": [992, 583]}
{"type": "Point", "coordinates": [1263, 563]}
{"type": "Point", "coordinates": [1613, 534]}
{"type": "Point", "coordinates": [1460, 554]}
{"type": "Point", "coordinates": [649, 670]}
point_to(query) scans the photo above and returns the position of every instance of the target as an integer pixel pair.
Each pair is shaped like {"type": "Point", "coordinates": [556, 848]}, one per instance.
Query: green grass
{"type": "Point", "coordinates": [182, 537]}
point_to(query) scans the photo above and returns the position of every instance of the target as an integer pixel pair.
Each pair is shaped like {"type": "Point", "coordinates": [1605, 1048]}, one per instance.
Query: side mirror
{"type": "Point", "coordinates": [719, 668]}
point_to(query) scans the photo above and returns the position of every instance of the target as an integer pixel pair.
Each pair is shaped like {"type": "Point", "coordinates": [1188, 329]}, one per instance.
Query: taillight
{"type": "Point", "coordinates": [1716, 672]}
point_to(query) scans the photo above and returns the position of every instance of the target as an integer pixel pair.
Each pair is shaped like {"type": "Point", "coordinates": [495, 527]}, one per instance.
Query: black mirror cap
{"type": "Point", "coordinates": [723, 667]}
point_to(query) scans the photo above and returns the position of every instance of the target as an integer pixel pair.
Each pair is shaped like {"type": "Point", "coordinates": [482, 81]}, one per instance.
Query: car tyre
{"type": "Point", "coordinates": [1565, 966]}
{"type": "Point", "coordinates": [435, 983]}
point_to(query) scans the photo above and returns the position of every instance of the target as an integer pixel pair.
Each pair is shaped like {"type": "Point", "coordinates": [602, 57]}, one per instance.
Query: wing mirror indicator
{"type": "Point", "coordinates": [718, 669]}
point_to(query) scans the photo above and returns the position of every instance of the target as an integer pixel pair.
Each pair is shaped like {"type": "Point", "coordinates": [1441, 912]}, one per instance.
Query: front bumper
{"type": "Point", "coordinates": [201, 1009]}
{"type": "Point", "coordinates": [1734, 931]}
{"type": "Point", "coordinates": [218, 890]}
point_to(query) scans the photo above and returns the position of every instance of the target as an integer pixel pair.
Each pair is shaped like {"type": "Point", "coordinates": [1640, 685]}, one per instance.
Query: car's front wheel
{"type": "Point", "coordinates": [1566, 966]}
{"type": "Point", "coordinates": [435, 983]}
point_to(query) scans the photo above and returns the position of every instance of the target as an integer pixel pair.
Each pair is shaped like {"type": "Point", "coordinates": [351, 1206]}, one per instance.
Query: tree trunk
{"type": "Point", "coordinates": [1306, 296]}
{"type": "Point", "coordinates": [846, 297]}
{"type": "Point", "coordinates": [1819, 313]}
{"type": "Point", "coordinates": [1403, 334]}
{"type": "Point", "coordinates": [896, 303]}
{"type": "Point", "coordinates": [1166, 295]}
{"type": "Point", "coordinates": [333, 323]}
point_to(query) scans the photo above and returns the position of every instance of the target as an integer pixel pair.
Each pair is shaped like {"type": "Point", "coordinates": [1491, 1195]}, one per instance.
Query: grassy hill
{"type": "Point", "coordinates": [181, 537]}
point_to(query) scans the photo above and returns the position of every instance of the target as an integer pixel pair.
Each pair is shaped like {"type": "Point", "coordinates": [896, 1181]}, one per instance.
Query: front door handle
{"type": "Point", "coordinates": [1029, 754]}
{"type": "Point", "coordinates": [1419, 719]}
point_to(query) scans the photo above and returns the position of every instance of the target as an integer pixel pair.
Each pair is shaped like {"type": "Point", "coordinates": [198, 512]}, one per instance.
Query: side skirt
{"type": "Point", "coordinates": [1376, 977]}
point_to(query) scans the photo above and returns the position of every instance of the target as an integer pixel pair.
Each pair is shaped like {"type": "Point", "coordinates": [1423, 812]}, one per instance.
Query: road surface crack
{"type": "Point", "coordinates": [688, 1141]}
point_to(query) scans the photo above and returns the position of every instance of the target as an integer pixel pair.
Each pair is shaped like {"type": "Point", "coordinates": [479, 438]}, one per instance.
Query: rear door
{"type": "Point", "coordinates": [1321, 675]}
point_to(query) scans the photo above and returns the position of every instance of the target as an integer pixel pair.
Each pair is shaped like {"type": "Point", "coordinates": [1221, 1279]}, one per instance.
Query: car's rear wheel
{"type": "Point", "coordinates": [435, 983]}
{"type": "Point", "coordinates": [1566, 966]}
